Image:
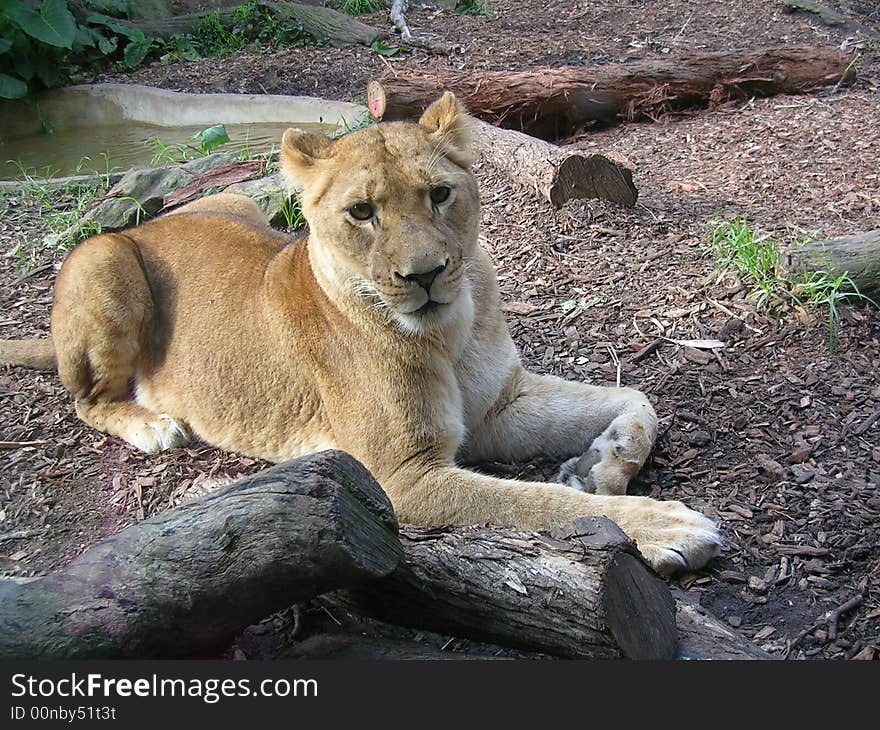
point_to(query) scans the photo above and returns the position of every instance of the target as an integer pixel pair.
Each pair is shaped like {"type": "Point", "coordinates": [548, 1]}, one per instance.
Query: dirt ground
{"type": "Point", "coordinates": [774, 436]}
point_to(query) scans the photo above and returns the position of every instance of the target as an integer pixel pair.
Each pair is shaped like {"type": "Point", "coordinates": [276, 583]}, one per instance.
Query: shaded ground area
{"type": "Point", "coordinates": [775, 437]}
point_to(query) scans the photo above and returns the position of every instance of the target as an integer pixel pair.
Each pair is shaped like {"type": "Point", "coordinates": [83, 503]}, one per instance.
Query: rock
{"type": "Point", "coordinates": [141, 193]}
{"type": "Point", "coordinates": [699, 438]}
{"type": "Point", "coordinates": [700, 357]}
{"type": "Point", "coordinates": [770, 467]}
{"type": "Point", "coordinates": [150, 9]}
{"type": "Point", "coordinates": [757, 584]}
{"type": "Point", "coordinates": [270, 194]}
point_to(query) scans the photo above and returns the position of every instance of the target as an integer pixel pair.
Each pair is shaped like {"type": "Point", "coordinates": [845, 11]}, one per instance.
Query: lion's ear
{"type": "Point", "coordinates": [448, 121]}
{"type": "Point", "coordinates": [300, 154]}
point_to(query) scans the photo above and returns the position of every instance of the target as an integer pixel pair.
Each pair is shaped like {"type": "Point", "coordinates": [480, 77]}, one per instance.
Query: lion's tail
{"type": "Point", "coordinates": [32, 353]}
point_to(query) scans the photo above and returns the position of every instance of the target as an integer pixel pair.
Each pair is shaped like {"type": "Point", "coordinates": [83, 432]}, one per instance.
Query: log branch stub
{"type": "Point", "coordinates": [702, 636]}
{"type": "Point", "coordinates": [588, 595]}
{"type": "Point", "coordinates": [857, 255]}
{"type": "Point", "coordinates": [183, 583]}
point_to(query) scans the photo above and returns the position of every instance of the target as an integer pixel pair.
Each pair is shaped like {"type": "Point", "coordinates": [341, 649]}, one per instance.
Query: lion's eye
{"type": "Point", "coordinates": [361, 211]}
{"type": "Point", "coordinates": [440, 194]}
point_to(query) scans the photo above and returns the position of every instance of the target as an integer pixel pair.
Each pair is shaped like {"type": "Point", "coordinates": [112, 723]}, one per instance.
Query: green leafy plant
{"type": "Point", "coordinates": [343, 127]}
{"type": "Point", "coordinates": [252, 23]}
{"type": "Point", "coordinates": [208, 140]}
{"type": "Point", "coordinates": [471, 7]}
{"type": "Point", "coordinates": [211, 138]}
{"type": "Point", "coordinates": [136, 48]}
{"type": "Point", "coordinates": [42, 43]}
{"type": "Point", "coordinates": [213, 37]}
{"type": "Point", "coordinates": [824, 289]}
{"type": "Point", "coordinates": [756, 259]}
{"type": "Point", "coordinates": [170, 154]}
{"type": "Point", "coordinates": [32, 40]}
{"type": "Point", "coordinates": [361, 7]}
{"type": "Point", "coordinates": [383, 49]}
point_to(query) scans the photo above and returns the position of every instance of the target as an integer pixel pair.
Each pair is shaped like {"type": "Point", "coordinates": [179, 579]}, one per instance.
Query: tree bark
{"type": "Point", "coordinates": [372, 648]}
{"type": "Point", "coordinates": [581, 592]}
{"type": "Point", "coordinates": [324, 24]}
{"type": "Point", "coordinates": [558, 175]}
{"type": "Point", "coordinates": [857, 255]}
{"type": "Point", "coordinates": [553, 103]}
{"type": "Point", "coordinates": [702, 636]}
{"type": "Point", "coordinates": [184, 582]}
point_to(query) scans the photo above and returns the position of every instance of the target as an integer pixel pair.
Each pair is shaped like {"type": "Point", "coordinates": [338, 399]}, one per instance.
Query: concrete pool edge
{"type": "Point", "coordinates": [87, 105]}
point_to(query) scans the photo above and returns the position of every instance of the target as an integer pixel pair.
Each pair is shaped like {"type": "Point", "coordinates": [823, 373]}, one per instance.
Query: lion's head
{"type": "Point", "coordinates": [393, 211]}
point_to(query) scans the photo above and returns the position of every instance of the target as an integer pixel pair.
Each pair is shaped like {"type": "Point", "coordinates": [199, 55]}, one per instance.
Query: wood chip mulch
{"type": "Point", "coordinates": [773, 436]}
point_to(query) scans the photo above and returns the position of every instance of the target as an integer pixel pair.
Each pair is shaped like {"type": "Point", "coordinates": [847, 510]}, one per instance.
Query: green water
{"type": "Point", "coordinates": [119, 147]}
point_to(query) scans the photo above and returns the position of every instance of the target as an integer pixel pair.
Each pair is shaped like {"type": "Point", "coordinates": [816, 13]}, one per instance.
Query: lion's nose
{"type": "Point", "coordinates": [423, 278]}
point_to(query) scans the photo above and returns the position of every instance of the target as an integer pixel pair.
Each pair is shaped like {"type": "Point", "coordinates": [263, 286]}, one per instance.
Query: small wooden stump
{"type": "Point", "coordinates": [559, 175]}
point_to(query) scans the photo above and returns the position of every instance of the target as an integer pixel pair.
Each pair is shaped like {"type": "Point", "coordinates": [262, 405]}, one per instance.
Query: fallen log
{"type": "Point", "coordinates": [557, 174]}
{"type": "Point", "coordinates": [553, 103]}
{"type": "Point", "coordinates": [323, 24]}
{"type": "Point", "coordinates": [581, 592]}
{"type": "Point", "coordinates": [826, 15]}
{"type": "Point", "coordinates": [183, 583]}
{"type": "Point", "coordinates": [857, 255]}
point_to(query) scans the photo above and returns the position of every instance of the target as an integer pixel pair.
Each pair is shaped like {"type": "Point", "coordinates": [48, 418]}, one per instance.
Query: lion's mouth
{"type": "Point", "coordinates": [428, 307]}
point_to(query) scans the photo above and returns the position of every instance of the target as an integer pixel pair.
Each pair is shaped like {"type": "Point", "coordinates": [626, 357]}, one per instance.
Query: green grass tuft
{"type": "Point", "coordinates": [361, 7]}
{"type": "Point", "coordinates": [472, 7]}
{"type": "Point", "coordinates": [756, 259]}
{"type": "Point", "coordinates": [291, 210]}
{"type": "Point", "coordinates": [61, 209]}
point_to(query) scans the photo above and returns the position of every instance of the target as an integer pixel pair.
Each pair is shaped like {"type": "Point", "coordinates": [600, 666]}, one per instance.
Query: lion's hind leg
{"type": "Point", "coordinates": [609, 430]}
{"type": "Point", "coordinates": [102, 331]}
{"type": "Point", "coordinates": [615, 455]}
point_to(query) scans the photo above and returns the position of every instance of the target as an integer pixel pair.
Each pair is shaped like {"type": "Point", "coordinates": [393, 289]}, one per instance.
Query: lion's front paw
{"type": "Point", "coordinates": [671, 536]}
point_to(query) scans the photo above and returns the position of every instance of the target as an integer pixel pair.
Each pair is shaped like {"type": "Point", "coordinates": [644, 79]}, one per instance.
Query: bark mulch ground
{"type": "Point", "coordinates": [774, 436]}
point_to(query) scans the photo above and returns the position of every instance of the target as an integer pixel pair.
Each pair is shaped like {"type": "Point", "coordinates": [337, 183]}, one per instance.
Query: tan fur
{"type": "Point", "coordinates": [207, 322]}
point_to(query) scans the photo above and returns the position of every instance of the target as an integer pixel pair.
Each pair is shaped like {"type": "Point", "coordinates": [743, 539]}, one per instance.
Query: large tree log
{"type": "Point", "coordinates": [553, 103]}
{"type": "Point", "coordinates": [183, 583]}
{"type": "Point", "coordinates": [324, 24]}
{"type": "Point", "coordinates": [582, 592]}
{"type": "Point", "coordinates": [557, 174]}
{"type": "Point", "coordinates": [857, 255]}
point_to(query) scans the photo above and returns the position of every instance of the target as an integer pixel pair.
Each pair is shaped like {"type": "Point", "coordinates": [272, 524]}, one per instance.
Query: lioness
{"type": "Point", "coordinates": [379, 333]}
